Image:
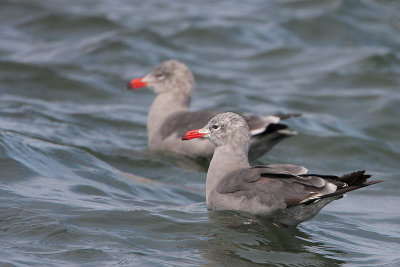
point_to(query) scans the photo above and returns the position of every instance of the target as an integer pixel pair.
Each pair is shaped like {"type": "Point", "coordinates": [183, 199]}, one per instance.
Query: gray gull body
{"type": "Point", "coordinates": [169, 116]}
{"type": "Point", "coordinates": [283, 192]}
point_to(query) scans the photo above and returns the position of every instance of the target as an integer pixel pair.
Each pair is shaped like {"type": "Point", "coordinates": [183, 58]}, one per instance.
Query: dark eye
{"type": "Point", "coordinates": [159, 76]}
{"type": "Point", "coordinates": [215, 126]}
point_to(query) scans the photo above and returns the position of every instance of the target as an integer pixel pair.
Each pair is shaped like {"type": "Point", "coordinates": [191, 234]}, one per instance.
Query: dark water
{"type": "Point", "coordinates": [73, 142]}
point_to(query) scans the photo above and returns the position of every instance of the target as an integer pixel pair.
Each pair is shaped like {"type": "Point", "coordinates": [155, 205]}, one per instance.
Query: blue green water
{"type": "Point", "coordinates": [77, 186]}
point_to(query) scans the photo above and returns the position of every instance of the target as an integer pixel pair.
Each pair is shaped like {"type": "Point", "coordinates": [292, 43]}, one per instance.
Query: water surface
{"type": "Point", "coordinates": [77, 186]}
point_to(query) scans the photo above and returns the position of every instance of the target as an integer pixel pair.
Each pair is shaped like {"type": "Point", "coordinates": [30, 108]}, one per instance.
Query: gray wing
{"type": "Point", "coordinates": [278, 184]}
{"type": "Point", "coordinates": [284, 168]}
{"type": "Point", "coordinates": [266, 124]}
{"type": "Point", "coordinates": [181, 122]}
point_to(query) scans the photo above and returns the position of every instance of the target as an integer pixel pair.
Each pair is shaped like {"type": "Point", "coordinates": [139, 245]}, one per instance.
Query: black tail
{"type": "Point", "coordinates": [354, 181]}
{"type": "Point", "coordinates": [284, 116]}
{"type": "Point", "coordinates": [265, 140]}
{"type": "Point", "coordinates": [272, 128]}
{"type": "Point", "coordinates": [354, 178]}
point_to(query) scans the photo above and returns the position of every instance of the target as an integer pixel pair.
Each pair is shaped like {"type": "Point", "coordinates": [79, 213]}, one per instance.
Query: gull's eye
{"type": "Point", "coordinates": [215, 126]}
{"type": "Point", "coordinates": [159, 76]}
